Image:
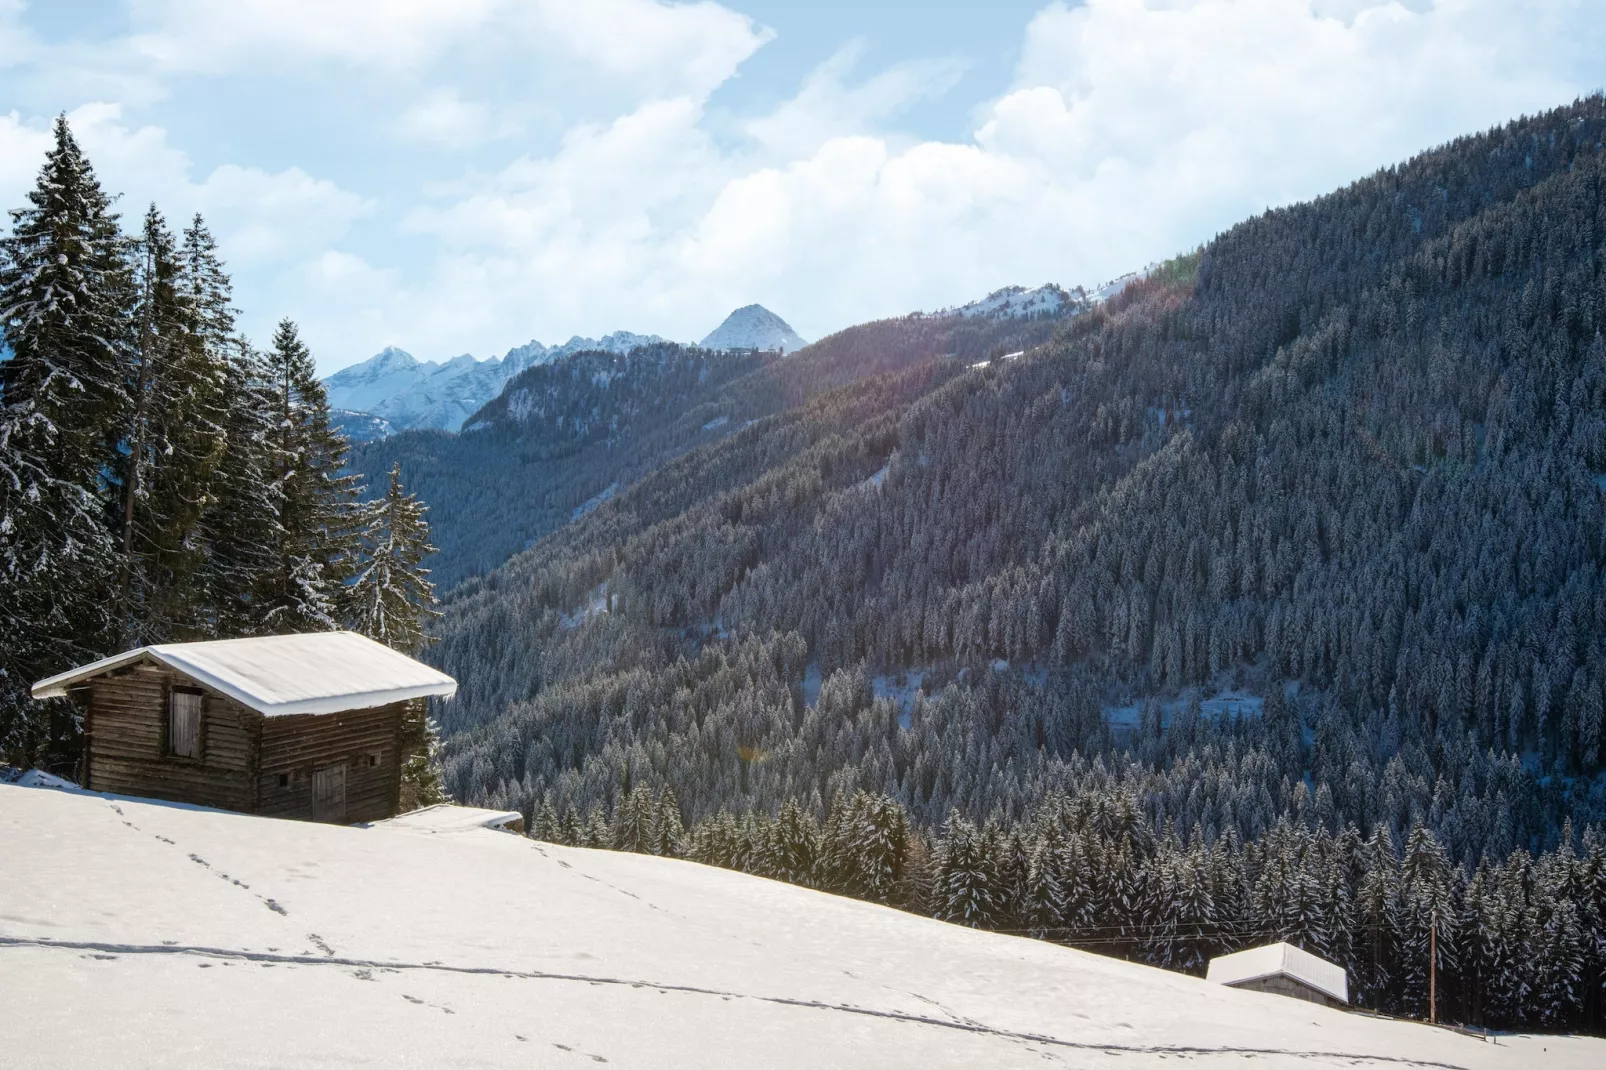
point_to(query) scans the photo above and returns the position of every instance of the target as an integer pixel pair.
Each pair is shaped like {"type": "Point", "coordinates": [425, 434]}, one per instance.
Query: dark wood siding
{"type": "Point", "coordinates": [247, 762]}
{"type": "Point", "coordinates": [293, 748]}
{"type": "Point", "coordinates": [127, 744]}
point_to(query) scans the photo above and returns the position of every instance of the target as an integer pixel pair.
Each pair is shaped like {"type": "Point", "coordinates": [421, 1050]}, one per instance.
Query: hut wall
{"type": "Point", "coordinates": [1288, 986]}
{"type": "Point", "coordinates": [126, 742]}
{"type": "Point", "coordinates": [365, 741]}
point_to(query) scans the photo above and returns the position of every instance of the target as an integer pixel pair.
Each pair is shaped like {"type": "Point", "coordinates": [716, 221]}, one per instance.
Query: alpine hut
{"type": "Point", "coordinates": [1285, 970]}
{"type": "Point", "coordinates": [304, 726]}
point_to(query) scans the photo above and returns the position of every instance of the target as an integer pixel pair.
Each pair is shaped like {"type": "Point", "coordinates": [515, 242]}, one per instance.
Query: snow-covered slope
{"type": "Point", "coordinates": [360, 426]}
{"type": "Point", "coordinates": [754, 327]}
{"type": "Point", "coordinates": [1019, 302]}
{"type": "Point", "coordinates": [408, 393]}
{"type": "Point", "coordinates": [142, 934]}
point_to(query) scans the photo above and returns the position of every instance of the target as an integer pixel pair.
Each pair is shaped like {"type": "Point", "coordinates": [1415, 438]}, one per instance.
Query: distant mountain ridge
{"type": "Point", "coordinates": [407, 393]}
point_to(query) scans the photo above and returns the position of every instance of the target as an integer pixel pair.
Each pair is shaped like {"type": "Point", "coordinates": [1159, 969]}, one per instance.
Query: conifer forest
{"type": "Point", "coordinates": [1264, 599]}
{"type": "Point", "coordinates": [162, 480]}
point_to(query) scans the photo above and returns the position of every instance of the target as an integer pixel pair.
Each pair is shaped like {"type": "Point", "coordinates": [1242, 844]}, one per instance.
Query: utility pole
{"type": "Point", "coordinates": [1433, 971]}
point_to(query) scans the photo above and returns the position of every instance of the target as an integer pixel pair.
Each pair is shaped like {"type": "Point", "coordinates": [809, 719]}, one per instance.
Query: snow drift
{"type": "Point", "coordinates": [135, 933]}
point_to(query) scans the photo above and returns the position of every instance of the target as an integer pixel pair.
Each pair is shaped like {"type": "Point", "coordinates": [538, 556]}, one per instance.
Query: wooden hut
{"type": "Point", "coordinates": [304, 726]}
{"type": "Point", "coordinates": [1284, 970]}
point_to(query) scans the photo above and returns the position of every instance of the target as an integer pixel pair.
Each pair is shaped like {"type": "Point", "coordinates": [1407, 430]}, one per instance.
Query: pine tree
{"type": "Point", "coordinates": [669, 828]}
{"type": "Point", "coordinates": [791, 847]}
{"type": "Point", "coordinates": [866, 841]}
{"type": "Point", "coordinates": [240, 523]}
{"type": "Point", "coordinates": [420, 743]}
{"type": "Point", "coordinates": [317, 549]}
{"type": "Point", "coordinates": [64, 307]}
{"type": "Point", "coordinates": [174, 446]}
{"type": "Point", "coordinates": [391, 598]}
{"type": "Point", "coordinates": [1426, 920]}
{"type": "Point", "coordinates": [633, 822]}
{"type": "Point", "coordinates": [1376, 903]}
{"type": "Point", "coordinates": [967, 885]}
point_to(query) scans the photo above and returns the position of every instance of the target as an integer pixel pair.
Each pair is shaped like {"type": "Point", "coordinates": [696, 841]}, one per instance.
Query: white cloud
{"type": "Point", "coordinates": [203, 35]}
{"type": "Point", "coordinates": [827, 106]}
{"type": "Point", "coordinates": [22, 152]}
{"type": "Point", "coordinates": [596, 192]}
{"type": "Point", "coordinates": [661, 49]}
{"type": "Point", "coordinates": [1134, 130]}
{"type": "Point", "coordinates": [258, 217]}
{"type": "Point", "coordinates": [261, 216]}
{"type": "Point", "coordinates": [444, 118]}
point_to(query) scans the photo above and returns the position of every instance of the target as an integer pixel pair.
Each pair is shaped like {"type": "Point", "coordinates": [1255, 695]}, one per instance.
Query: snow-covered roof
{"type": "Point", "coordinates": [1280, 959]}
{"type": "Point", "coordinates": [280, 675]}
{"type": "Point", "coordinates": [449, 817]}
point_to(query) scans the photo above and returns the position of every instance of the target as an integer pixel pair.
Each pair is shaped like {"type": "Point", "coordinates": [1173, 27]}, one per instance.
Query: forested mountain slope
{"type": "Point", "coordinates": [564, 435]}
{"type": "Point", "coordinates": [1352, 445]}
{"type": "Point", "coordinates": [1264, 600]}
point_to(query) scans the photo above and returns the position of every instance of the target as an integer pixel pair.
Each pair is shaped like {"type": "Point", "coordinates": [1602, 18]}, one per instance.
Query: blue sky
{"type": "Point", "coordinates": [465, 175]}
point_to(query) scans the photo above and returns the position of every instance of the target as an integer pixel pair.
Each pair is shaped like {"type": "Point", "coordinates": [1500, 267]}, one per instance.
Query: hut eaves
{"type": "Point", "coordinates": [283, 675]}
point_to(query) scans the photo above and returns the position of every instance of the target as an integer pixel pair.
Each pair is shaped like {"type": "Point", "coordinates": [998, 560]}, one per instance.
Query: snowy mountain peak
{"type": "Point", "coordinates": [387, 361]}
{"type": "Point", "coordinates": [754, 327]}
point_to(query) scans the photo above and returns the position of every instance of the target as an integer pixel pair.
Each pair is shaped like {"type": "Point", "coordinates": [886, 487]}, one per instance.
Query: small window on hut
{"type": "Point", "coordinates": [184, 723]}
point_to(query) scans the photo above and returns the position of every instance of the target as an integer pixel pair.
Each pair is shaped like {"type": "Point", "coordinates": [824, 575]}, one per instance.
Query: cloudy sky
{"type": "Point", "coordinates": [464, 175]}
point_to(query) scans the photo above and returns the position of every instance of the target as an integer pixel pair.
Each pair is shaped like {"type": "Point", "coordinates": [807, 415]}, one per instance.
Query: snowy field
{"type": "Point", "coordinates": [136, 934]}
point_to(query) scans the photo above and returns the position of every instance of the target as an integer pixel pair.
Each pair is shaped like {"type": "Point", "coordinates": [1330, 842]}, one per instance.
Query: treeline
{"type": "Point", "coordinates": [1520, 942]}
{"type": "Point", "coordinates": [160, 479]}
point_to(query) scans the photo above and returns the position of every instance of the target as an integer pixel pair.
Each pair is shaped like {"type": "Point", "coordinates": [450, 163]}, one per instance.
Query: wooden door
{"type": "Point", "coordinates": [329, 794]}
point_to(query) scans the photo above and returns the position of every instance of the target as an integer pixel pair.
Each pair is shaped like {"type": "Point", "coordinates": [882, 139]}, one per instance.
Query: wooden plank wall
{"type": "Point", "coordinates": [126, 742]}
{"type": "Point", "coordinates": [292, 747]}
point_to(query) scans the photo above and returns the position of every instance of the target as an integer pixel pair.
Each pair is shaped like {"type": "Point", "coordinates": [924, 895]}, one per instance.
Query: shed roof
{"type": "Point", "coordinates": [1280, 959]}
{"type": "Point", "coordinates": [281, 675]}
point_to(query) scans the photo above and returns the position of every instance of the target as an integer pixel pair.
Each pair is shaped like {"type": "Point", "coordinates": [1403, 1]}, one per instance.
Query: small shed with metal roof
{"type": "Point", "coordinates": [1285, 970]}
{"type": "Point", "coordinates": [305, 726]}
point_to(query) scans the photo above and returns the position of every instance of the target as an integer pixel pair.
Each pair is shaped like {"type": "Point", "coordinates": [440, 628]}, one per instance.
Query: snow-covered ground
{"type": "Point", "coordinates": [138, 934]}
{"type": "Point", "coordinates": [1224, 705]}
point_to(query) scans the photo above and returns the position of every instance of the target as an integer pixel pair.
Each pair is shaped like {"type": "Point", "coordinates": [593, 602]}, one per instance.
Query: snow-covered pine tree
{"type": "Point", "coordinates": [175, 443]}
{"type": "Point", "coordinates": [668, 828]}
{"type": "Point", "coordinates": [1427, 902]}
{"type": "Point", "coordinates": [1376, 902]}
{"type": "Point", "coordinates": [865, 843]}
{"type": "Point", "coordinates": [318, 511]}
{"type": "Point", "coordinates": [240, 523]}
{"type": "Point", "coordinates": [420, 744]}
{"type": "Point", "coordinates": [545, 824]}
{"type": "Point", "coordinates": [966, 889]}
{"type": "Point", "coordinates": [65, 297]}
{"type": "Point", "coordinates": [791, 847]}
{"type": "Point", "coordinates": [1045, 886]}
{"type": "Point", "coordinates": [633, 822]}
{"type": "Point", "coordinates": [391, 598]}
